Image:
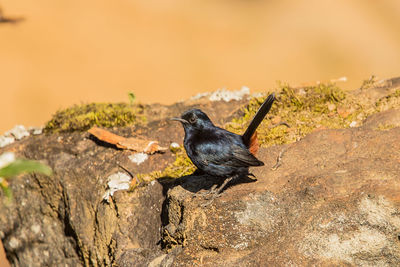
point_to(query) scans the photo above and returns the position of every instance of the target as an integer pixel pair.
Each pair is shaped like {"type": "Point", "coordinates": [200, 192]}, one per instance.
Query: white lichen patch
{"type": "Point", "coordinates": [138, 158]}
{"type": "Point", "coordinates": [346, 247]}
{"type": "Point", "coordinates": [6, 140]}
{"type": "Point", "coordinates": [380, 212]}
{"type": "Point", "coordinates": [358, 237]}
{"type": "Point", "coordinates": [35, 130]}
{"type": "Point", "coordinates": [223, 94]}
{"type": "Point", "coordinates": [260, 212]}
{"type": "Point", "coordinates": [18, 132]}
{"type": "Point", "coordinates": [116, 181]}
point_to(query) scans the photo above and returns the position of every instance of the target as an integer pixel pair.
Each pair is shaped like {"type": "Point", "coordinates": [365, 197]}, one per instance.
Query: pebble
{"type": "Point", "coordinates": [174, 147]}
{"type": "Point", "coordinates": [13, 243]}
{"type": "Point", "coordinates": [331, 107]}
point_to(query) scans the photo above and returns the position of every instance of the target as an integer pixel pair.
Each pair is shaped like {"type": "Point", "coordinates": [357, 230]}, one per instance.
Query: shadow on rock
{"type": "Point", "coordinates": [198, 181]}
{"type": "Point", "coordinates": [185, 189]}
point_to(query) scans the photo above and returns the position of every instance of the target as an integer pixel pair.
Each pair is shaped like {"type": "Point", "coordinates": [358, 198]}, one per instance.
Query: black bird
{"type": "Point", "coordinates": [218, 152]}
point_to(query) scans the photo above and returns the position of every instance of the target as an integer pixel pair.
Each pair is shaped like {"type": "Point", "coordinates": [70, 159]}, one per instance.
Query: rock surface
{"type": "Point", "coordinates": [334, 200]}
{"type": "Point", "coordinates": [63, 220]}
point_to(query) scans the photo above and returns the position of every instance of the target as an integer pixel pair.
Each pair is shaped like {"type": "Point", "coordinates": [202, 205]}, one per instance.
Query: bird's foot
{"type": "Point", "coordinates": [215, 192]}
{"type": "Point", "coordinates": [206, 193]}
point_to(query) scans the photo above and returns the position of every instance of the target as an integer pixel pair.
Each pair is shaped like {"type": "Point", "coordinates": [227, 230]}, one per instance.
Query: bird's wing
{"type": "Point", "coordinates": [244, 156]}
{"type": "Point", "coordinates": [228, 155]}
{"type": "Point", "coordinates": [220, 147]}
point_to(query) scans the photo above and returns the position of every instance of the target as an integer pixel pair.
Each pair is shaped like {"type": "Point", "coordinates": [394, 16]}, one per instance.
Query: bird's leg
{"type": "Point", "coordinates": [218, 190]}
{"type": "Point", "coordinates": [211, 191]}
{"type": "Point", "coordinates": [215, 193]}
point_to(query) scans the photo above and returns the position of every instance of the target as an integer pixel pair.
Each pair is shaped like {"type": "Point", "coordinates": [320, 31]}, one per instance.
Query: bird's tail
{"type": "Point", "coordinates": [262, 111]}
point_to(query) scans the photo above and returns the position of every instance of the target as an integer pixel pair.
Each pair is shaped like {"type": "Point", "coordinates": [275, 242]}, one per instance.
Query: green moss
{"type": "Point", "coordinates": [180, 167]}
{"type": "Point", "coordinates": [304, 110]}
{"type": "Point", "coordinates": [83, 117]}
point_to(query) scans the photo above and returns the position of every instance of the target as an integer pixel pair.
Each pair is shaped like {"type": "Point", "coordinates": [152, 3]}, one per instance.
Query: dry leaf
{"type": "Point", "coordinates": [131, 143]}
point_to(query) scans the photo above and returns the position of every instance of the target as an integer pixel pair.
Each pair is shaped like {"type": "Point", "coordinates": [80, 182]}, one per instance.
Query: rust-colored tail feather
{"type": "Point", "coordinates": [254, 145]}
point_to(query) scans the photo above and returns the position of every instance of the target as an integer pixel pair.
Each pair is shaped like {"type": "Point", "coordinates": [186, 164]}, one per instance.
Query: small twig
{"type": "Point", "coordinates": [126, 170]}
{"type": "Point", "coordinates": [279, 124]}
{"type": "Point", "coordinates": [278, 160]}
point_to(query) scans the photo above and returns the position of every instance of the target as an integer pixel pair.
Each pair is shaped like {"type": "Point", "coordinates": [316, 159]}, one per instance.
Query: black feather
{"type": "Point", "coordinates": [255, 122]}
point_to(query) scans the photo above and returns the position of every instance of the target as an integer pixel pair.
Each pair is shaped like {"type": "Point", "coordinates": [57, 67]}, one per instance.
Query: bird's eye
{"type": "Point", "coordinates": [192, 120]}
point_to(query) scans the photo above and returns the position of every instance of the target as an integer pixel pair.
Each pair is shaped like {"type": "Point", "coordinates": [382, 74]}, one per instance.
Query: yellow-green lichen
{"type": "Point", "coordinates": [83, 117]}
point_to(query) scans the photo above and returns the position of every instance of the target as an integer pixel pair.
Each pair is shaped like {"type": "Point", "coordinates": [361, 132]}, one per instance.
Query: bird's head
{"type": "Point", "coordinates": [194, 119]}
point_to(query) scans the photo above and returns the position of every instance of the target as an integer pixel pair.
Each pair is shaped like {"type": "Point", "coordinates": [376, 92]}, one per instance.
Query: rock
{"type": "Point", "coordinates": [333, 201]}
{"type": "Point", "coordinates": [62, 220]}
{"type": "Point", "coordinates": [389, 118]}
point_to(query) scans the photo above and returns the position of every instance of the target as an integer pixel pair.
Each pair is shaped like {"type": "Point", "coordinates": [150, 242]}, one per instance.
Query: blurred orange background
{"type": "Point", "coordinates": [67, 52]}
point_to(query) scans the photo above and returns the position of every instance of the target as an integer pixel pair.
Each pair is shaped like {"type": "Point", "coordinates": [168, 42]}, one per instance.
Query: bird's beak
{"type": "Point", "coordinates": [179, 119]}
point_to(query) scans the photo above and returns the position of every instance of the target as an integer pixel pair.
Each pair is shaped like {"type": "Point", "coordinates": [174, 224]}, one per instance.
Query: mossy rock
{"type": "Point", "coordinates": [83, 117]}
{"type": "Point", "coordinates": [180, 167]}
{"type": "Point", "coordinates": [298, 111]}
